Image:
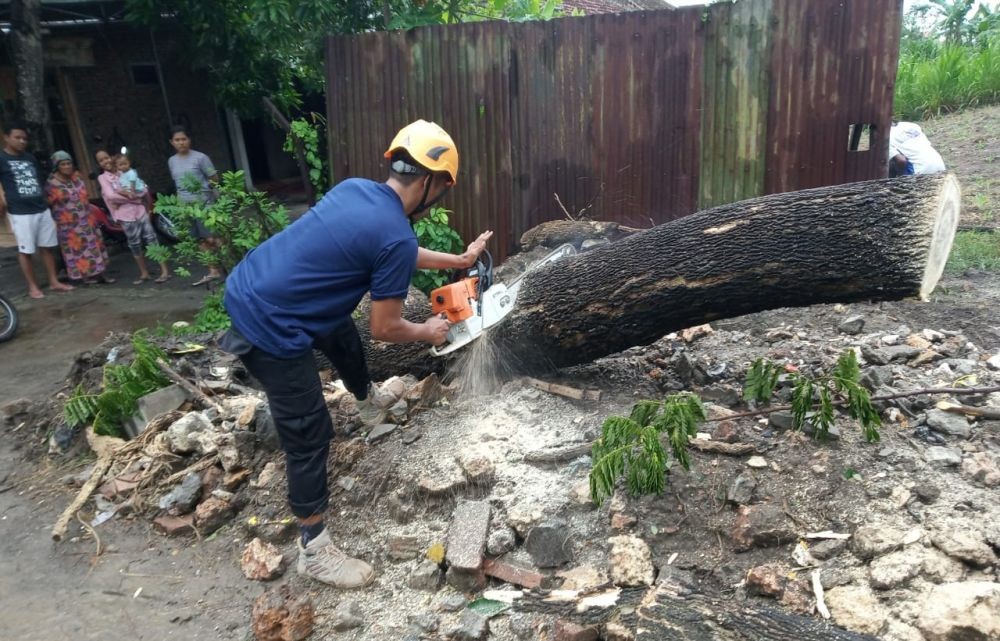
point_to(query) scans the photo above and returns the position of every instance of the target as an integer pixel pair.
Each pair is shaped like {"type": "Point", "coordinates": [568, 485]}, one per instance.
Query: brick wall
{"type": "Point", "coordinates": [114, 111]}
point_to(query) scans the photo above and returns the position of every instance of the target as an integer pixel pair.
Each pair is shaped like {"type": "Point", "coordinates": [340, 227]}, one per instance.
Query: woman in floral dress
{"type": "Point", "coordinates": [81, 244]}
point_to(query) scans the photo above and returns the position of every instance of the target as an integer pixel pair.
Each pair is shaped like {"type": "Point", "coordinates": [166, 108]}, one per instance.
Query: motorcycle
{"type": "Point", "coordinates": [114, 233]}
{"type": "Point", "coordinates": [8, 319]}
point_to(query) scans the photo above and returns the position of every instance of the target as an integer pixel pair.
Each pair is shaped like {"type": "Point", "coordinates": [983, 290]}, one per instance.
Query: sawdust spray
{"type": "Point", "coordinates": [482, 368]}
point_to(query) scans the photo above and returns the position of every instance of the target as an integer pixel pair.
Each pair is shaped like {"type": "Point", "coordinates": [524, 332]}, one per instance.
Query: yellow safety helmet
{"type": "Point", "coordinates": [429, 146]}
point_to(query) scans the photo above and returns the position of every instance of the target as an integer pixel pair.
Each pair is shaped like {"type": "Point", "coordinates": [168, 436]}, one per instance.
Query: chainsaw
{"type": "Point", "coordinates": [475, 303]}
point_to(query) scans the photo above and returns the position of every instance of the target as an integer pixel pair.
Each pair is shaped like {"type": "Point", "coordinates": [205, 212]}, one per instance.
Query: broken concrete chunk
{"type": "Point", "coordinates": [856, 608]}
{"type": "Point", "coordinates": [467, 581]}
{"type": "Point", "coordinates": [235, 450]}
{"type": "Point", "coordinates": [472, 626]}
{"type": "Point", "coordinates": [261, 561]}
{"type": "Point", "coordinates": [870, 541]}
{"type": "Point", "coordinates": [445, 481]}
{"type": "Point", "coordinates": [380, 432]}
{"type": "Point", "coordinates": [968, 610]}
{"type": "Point", "coordinates": [347, 616]}
{"type": "Point", "coordinates": [631, 562]}
{"type": "Point", "coordinates": [766, 580]}
{"type": "Point", "coordinates": [741, 490]}
{"type": "Point", "coordinates": [426, 576]}
{"type": "Point", "coordinates": [983, 468]}
{"type": "Point", "coordinates": [896, 568]}
{"type": "Point", "coordinates": [212, 514]}
{"type": "Point", "coordinates": [965, 544]}
{"type": "Point", "coordinates": [549, 544]}
{"type": "Point", "coordinates": [174, 525]}
{"type": "Point", "coordinates": [182, 435]}
{"type": "Point", "coordinates": [501, 541]}
{"type": "Point", "coordinates": [761, 526]}
{"type": "Point", "coordinates": [478, 468]}
{"type": "Point", "coordinates": [161, 401]}
{"type": "Point", "coordinates": [948, 423]}
{"type": "Point", "coordinates": [943, 456]}
{"type": "Point", "coordinates": [470, 524]}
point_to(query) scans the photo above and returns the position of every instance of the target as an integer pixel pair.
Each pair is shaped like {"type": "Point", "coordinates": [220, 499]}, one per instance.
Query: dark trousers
{"type": "Point", "coordinates": [295, 395]}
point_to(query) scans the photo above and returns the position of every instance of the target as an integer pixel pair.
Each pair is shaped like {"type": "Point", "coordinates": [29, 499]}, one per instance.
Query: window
{"type": "Point", "coordinates": [860, 137]}
{"type": "Point", "coordinates": [145, 74]}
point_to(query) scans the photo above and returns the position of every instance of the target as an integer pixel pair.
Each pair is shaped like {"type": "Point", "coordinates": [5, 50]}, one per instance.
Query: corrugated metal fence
{"type": "Point", "coordinates": [637, 117]}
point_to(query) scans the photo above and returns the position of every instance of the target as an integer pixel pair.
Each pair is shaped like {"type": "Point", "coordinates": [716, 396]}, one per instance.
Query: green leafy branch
{"type": "Point", "coordinates": [630, 447]}
{"type": "Point", "coordinates": [308, 133]}
{"type": "Point", "coordinates": [122, 387]}
{"type": "Point", "coordinates": [813, 399]}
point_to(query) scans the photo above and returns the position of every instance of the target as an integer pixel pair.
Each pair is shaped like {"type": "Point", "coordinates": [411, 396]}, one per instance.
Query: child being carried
{"type": "Point", "coordinates": [128, 178]}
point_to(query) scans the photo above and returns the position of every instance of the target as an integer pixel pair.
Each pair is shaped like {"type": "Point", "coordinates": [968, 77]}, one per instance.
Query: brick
{"type": "Point", "coordinates": [510, 573]}
{"type": "Point", "coordinates": [174, 525]}
{"type": "Point", "coordinates": [569, 631]}
{"type": "Point", "coordinates": [470, 525]}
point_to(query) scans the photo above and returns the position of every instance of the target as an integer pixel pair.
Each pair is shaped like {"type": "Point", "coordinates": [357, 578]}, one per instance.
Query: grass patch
{"type": "Point", "coordinates": [975, 250]}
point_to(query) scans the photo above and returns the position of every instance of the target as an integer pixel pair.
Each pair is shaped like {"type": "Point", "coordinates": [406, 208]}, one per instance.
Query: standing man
{"type": "Point", "coordinates": [296, 292]}
{"type": "Point", "coordinates": [23, 199]}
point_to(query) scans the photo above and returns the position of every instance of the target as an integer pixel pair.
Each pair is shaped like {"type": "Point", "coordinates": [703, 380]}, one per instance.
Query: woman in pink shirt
{"type": "Point", "coordinates": [131, 213]}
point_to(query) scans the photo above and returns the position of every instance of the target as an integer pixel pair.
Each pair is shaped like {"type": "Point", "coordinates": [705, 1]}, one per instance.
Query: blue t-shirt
{"type": "Point", "coordinates": [301, 283]}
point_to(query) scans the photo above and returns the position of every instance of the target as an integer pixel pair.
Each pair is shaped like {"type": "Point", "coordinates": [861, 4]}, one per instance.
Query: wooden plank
{"type": "Point", "coordinates": [564, 390]}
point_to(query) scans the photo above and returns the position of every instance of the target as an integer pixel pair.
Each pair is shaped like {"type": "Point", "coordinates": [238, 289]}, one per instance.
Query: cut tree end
{"type": "Point", "coordinates": [945, 226]}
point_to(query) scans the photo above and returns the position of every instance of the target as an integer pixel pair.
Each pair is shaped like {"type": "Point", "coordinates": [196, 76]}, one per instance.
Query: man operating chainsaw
{"type": "Point", "coordinates": [296, 292]}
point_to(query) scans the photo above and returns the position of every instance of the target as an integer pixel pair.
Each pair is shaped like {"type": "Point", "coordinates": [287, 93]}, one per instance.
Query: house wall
{"type": "Point", "coordinates": [113, 111]}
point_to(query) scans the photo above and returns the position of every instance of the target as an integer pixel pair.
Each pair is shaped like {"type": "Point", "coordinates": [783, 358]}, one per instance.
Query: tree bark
{"type": "Point", "coordinates": [26, 44]}
{"type": "Point", "coordinates": [878, 240]}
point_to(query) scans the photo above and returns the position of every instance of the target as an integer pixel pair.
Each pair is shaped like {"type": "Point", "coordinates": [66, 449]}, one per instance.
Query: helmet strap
{"type": "Point", "coordinates": [424, 204]}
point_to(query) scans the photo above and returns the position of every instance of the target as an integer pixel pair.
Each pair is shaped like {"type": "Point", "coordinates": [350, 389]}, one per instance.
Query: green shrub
{"type": "Point", "coordinates": [434, 233]}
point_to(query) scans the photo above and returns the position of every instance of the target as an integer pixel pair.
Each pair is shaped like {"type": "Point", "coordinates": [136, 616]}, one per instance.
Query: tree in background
{"type": "Point", "coordinates": [26, 51]}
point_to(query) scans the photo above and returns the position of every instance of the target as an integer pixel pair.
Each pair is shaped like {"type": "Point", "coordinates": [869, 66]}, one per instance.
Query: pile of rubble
{"type": "Point", "coordinates": [476, 510]}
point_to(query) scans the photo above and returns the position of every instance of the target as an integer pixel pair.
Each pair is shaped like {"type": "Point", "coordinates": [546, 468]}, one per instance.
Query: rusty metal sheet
{"type": "Point", "coordinates": [638, 117]}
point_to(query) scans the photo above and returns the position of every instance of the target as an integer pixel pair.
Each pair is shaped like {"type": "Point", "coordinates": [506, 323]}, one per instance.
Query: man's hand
{"type": "Point", "coordinates": [437, 327]}
{"type": "Point", "coordinates": [475, 248]}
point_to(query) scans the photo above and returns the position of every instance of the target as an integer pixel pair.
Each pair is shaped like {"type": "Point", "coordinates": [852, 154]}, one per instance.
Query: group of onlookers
{"type": "Point", "coordinates": [54, 210]}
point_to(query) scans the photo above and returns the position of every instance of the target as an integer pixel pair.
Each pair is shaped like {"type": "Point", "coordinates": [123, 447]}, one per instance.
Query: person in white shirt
{"type": "Point", "coordinates": [910, 152]}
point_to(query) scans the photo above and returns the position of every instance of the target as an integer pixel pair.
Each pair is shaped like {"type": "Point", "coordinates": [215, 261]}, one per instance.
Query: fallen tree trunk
{"type": "Point", "coordinates": [877, 240]}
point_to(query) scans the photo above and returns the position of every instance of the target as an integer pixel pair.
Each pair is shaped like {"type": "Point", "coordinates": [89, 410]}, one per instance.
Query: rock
{"type": "Point", "coordinates": [725, 395]}
{"type": "Point", "coordinates": [901, 353]}
{"type": "Point", "coordinates": [398, 413]}
{"type": "Point", "coordinates": [425, 622]}
{"type": "Point", "coordinates": [16, 408]}
{"type": "Point", "coordinates": [875, 377]}
{"type": "Point", "coordinates": [380, 432]}
{"type": "Point", "coordinates": [965, 544]}
{"type": "Point", "coordinates": [941, 568]}
{"type": "Point", "coordinates": [926, 493]}
{"type": "Point", "coordinates": [161, 401]}
{"type": "Point", "coordinates": [890, 339]}
{"type": "Point", "coordinates": [631, 562]}
{"type": "Point", "coordinates": [403, 547]}
{"type": "Point", "coordinates": [182, 435]}
{"type": "Point", "coordinates": [282, 614]}
{"type": "Point", "coordinates": [523, 516]}
{"type": "Point", "coordinates": [726, 432]}
{"type": "Point", "coordinates": [426, 576]}
{"type": "Point", "coordinates": [570, 631]}
{"type": "Point", "coordinates": [393, 386]}
{"type": "Point", "coordinates": [347, 616]}
{"type": "Point", "coordinates": [261, 561]}
{"type": "Point", "coordinates": [582, 577]}
{"type": "Point", "coordinates": [174, 525]}
{"type": "Point", "coordinates": [212, 514]}
{"type": "Point", "coordinates": [264, 429]}
{"type": "Point", "coordinates": [426, 393]}
{"type": "Point", "coordinates": [766, 580]}
{"type": "Point", "coordinates": [851, 325]}
{"type": "Point", "coordinates": [948, 423]}
{"type": "Point", "coordinates": [757, 462]}
{"type": "Point", "coordinates": [896, 568]}
{"type": "Point", "coordinates": [932, 335]}
{"type": "Point", "coordinates": [741, 490]}
{"type": "Point", "coordinates": [472, 626]}
{"type": "Point", "coordinates": [549, 544]}
{"type": "Point", "coordinates": [761, 526]}
{"type": "Point", "coordinates": [501, 541]}
{"type": "Point", "coordinates": [478, 469]}
{"type": "Point", "coordinates": [856, 608]}
{"type": "Point", "coordinates": [924, 357]}
{"type": "Point", "coordinates": [943, 456]}
{"type": "Point", "coordinates": [522, 625]}
{"type": "Point", "coordinates": [235, 450]}
{"type": "Point", "coordinates": [61, 439]}
{"type": "Point", "coordinates": [267, 476]}
{"type": "Point", "coordinates": [183, 497]}
{"type": "Point", "coordinates": [993, 362]}
{"type": "Point", "coordinates": [827, 549]}
{"type": "Point", "coordinates": [400, 510]}
{"type": "Point", "coordinates": [781, 420]}
{"type": "Point", "coordinates": [446, 481]}
{"type": "Point", "coordinates": [918, 341]}
{"type": "Point", "coordinates": [982, 467]}
{"type": "Point", "coordinates": [452, 602]}
{"type": "Point", "coordinates": [622, 521]}
{"type": "Point", "coordinates": [513, 574]}
{"type": "Point", "coordinates": [870, 541]}
{"type": "Point", "coordinates": [234, 480]}
{"type": "Point", "coordinates": [875, 356]}
{"type": "Point", "coordinates": [470, 524]}
{"type": "Point", "coordinates": [961, 611]}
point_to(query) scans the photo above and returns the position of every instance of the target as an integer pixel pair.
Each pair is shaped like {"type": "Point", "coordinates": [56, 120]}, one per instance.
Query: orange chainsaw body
{"type": "Point", "coordinates": [455, 300]}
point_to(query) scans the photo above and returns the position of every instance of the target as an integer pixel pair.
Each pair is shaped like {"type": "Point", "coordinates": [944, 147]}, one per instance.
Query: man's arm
{"type": "Point", "coordinates": [387, 324]}
{"type": "Point", "coordinates": [428, 259]}
{"type": "Point", "coordinates": [3, 202]}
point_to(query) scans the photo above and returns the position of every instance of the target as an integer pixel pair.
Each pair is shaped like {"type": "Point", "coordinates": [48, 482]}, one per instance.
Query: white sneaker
{"type": "Point", "coordinates": [323, 561]}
